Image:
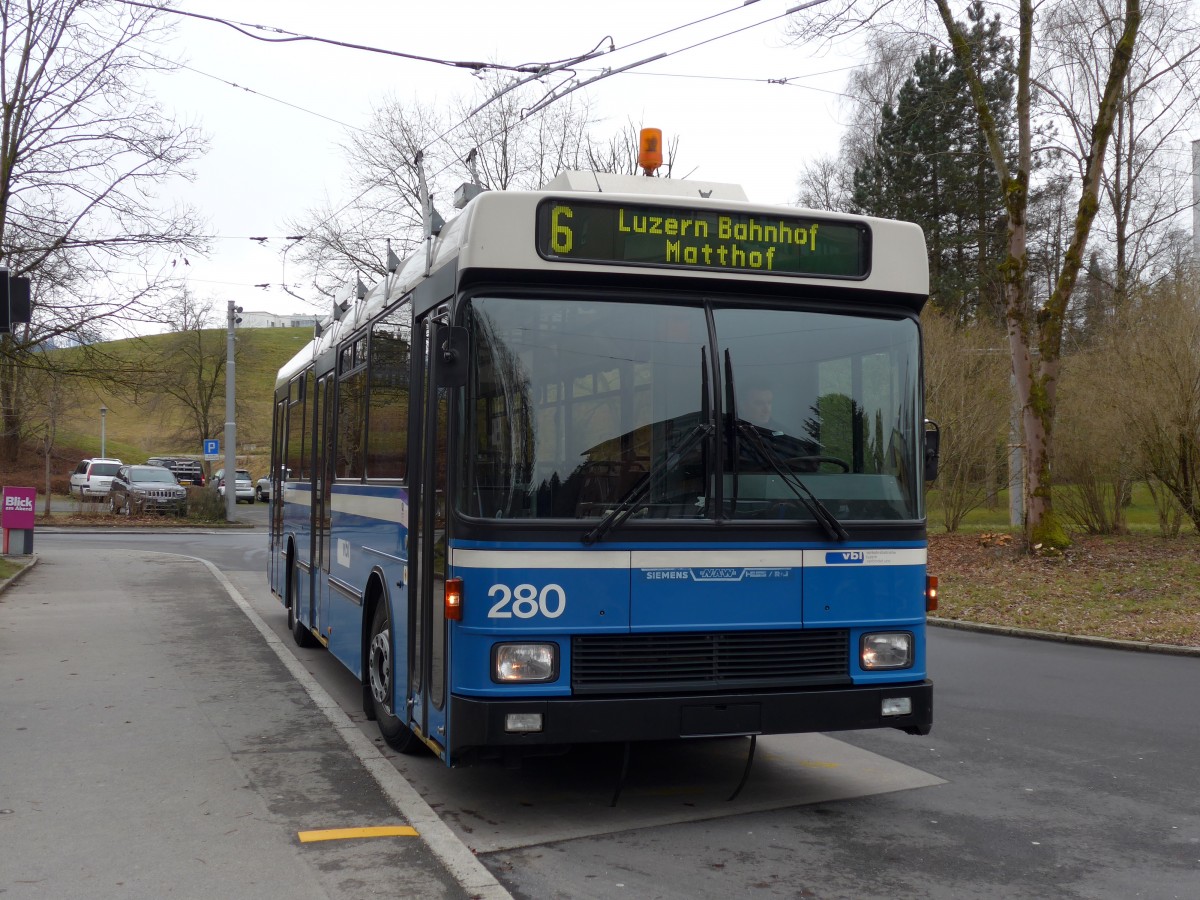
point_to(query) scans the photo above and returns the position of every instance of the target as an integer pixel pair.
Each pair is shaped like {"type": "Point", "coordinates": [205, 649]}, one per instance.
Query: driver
{"type": "Point", "coordinates": [757, 406]}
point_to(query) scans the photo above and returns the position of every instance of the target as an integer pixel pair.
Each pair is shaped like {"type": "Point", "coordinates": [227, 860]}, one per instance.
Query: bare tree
{"type": "Point", "coordinates": [185, 380]}
{"type": "Point", "coordinates": [967, 395]}
{"type": "Point", "coordinates": [871, 87]}
{"type": "Point", "coordinates": [187, 312]}
{"type": "Point", "coordinates": [1158, 103]}
{"type": "Point", "coordinates": [619, 154]}
{"type": "Point", "coordinates": [825, 183]}
{"type": "Point", "coordinates": [1156, 346]}
{"type": "Point", "coordinates": [828, 182]}
{"type": "Point", "coordinates": [83, 147]}
{"type": "Point", "coordinates": [490, 139]}
{"type": "Point", "coordinates": [1035, 330]}
{"type": "Point", "coordinates": [1094, 462]}
{"type": "Point", "coordinates": [46, 403]}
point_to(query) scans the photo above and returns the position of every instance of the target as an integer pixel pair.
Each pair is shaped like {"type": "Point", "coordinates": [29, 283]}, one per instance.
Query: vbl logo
{"type": "Point", "coordinates": [845, 557]}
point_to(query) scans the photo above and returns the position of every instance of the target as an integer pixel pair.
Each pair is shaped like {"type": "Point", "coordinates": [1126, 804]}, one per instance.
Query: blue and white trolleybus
{"type": "Point", "coordinates": [622, 459]}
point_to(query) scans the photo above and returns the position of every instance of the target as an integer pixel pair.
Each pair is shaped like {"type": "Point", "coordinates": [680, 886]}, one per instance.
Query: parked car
{"type": "Point", "coordinates": [185, 469]}
{"type": "Point", "coordinates": [91, 478]}
{"type": "Point", "coordinates": [243, 487]}
{"type": "Point", "coordinates": [142, 489]}
{"type": "Point", "coordinates": [262, 487]}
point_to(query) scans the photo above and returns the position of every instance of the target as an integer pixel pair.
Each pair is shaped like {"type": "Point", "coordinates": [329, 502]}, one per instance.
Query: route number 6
{"type": "Point", "coordinates": [525, 601]}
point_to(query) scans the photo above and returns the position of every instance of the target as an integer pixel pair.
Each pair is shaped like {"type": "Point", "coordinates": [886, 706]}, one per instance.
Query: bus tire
{"type": "Point", "coordinates": [301, 633]}
{"type": "Point", "coordinates": [379, 683]}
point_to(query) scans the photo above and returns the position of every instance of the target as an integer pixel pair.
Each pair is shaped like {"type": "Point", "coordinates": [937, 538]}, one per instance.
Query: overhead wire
{"type": "Point", "coordinates": [249, 90]}
{"type": "Point", "coordinates": [292, 37]}
{"type": "Point", "coordinates": [534, 71]}
{"type": "Point", "coordinates": [607, 74]}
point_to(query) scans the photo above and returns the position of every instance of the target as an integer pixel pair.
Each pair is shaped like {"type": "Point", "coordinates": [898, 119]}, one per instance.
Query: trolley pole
{"type": "Point", "coordinates": [230, 424]}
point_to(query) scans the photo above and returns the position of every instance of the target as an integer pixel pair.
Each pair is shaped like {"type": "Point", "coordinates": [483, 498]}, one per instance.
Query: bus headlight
{"type": "Point", "coordinates": [886, 650]}
{"type": "Point", "coordinates": [524, 663]}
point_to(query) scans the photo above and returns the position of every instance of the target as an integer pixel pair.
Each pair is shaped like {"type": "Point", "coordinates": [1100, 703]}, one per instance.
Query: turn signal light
{"type": "Point", "coordinates": [454, 597]}
{"type": "Point", "coordinates": [931, 597]}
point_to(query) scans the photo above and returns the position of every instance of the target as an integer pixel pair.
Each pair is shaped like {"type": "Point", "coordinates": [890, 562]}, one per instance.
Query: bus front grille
{"type": "Point", "coordinates": [731, 660]}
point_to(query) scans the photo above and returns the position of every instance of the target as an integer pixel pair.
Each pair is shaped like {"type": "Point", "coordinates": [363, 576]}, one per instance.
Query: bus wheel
{"type": "Point", "coordinates": [379, 678]}
{"type": "Point", "coordinates": [300, 632]}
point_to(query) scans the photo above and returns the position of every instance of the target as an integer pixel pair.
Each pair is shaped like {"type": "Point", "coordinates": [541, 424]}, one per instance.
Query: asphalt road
{"type": "Point", "coordinates": [1052, 771]}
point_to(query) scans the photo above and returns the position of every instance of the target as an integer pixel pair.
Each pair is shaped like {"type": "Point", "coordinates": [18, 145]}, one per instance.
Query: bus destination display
{"type": "Point", "coordinates": [591, 231]}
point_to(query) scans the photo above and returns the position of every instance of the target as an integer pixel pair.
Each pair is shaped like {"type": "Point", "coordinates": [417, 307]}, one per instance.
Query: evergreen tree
{"type": "Point", "coordinates": [931, 166]}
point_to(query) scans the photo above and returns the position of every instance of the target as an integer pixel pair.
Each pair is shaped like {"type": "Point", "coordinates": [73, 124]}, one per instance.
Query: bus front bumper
{"type": "Point", "coordinates": [481, 723]}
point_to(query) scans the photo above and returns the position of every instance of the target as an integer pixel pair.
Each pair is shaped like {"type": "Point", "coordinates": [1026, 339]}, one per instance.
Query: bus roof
{"type": "Point", "coordinates": [501, 230]}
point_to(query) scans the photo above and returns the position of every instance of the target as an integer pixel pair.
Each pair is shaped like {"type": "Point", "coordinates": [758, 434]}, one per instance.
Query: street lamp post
{"type": "Point", "coordinates": [103, 416]}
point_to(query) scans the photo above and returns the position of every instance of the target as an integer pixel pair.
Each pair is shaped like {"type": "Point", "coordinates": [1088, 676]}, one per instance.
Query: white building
{"type": "Point", "coordinates": [275, 320]}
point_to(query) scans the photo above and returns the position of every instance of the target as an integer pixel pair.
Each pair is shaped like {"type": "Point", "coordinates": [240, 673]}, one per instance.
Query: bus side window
{"type": "Point", "coordinates": [388, 397]}
{"type": "Point", "coordinates": [297, 429]}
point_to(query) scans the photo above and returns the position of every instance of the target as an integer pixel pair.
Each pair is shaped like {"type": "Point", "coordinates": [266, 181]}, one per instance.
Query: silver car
{"type": "Point", "coordinates": [142, 489]}
{"type": "Point", "coordinates": [243, 486]}
{"type": "Point", "coordinates": [91, 478]}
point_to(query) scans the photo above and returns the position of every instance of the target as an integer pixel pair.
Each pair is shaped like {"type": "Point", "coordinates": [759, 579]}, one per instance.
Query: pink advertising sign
{"type": "Point", "coordinates": [17, 509]}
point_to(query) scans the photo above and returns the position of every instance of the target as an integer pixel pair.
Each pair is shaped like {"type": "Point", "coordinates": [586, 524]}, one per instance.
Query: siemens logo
{"type": "Point", "coordinates": [714, 574]}
{"type": "Point", "coordinates": [667, 574]}
{"type": "Point", "coordinates": [845, 558]}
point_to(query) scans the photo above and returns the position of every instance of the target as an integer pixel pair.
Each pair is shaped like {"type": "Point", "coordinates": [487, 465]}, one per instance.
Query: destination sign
{"type": "Point", "coordinates": [720, 240]}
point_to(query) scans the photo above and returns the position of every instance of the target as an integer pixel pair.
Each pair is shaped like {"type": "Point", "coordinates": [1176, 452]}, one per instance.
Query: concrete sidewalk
{"type": "Point", "coordinates": [152, 744]}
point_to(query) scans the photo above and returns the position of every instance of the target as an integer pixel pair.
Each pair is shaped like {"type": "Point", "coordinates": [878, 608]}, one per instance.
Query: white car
{"type": "Point", "coordinates": [242, 485]}
{"type": "Point", "coordinates": [93, 477]}
{"type": "Point", "coordinates": [262, 489]}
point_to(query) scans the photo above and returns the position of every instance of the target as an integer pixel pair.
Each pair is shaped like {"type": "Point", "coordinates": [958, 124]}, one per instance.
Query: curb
{"type": "Point", "coordinates": [1059, 637]}
{"type": "Point", "coordinates": [458, 858]}
{"type": "Point", "coordinates": [5, 585]}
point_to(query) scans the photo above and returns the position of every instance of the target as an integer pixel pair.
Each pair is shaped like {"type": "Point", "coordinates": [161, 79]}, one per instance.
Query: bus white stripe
{"type": "Point", "coordinates": [295, 495]}
{"type": "Point", "coordinates": [387, 509]}
{"type": "Point", "coordinates": [539, 559]}
{"type": "Point", "coordinates": [666, 559]}
{"type": "Point", "coordinates": [721, 559]}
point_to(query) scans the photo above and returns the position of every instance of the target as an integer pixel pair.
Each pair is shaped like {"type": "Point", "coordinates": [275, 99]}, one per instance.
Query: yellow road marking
{"type": "Point", "coordinates": [340, 834]}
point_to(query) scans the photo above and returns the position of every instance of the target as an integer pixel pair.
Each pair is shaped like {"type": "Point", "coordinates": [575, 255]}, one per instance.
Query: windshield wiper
{"type": "Point", "coordinates": [633, 498]}
{"type": "Point", "coordinates": [827, 520]}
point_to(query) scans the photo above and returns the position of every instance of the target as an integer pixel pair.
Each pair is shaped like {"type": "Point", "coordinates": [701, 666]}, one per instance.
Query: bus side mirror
{"type": "Point", "coordinates": [933, 440]}
{"type": "Point", "coordinates": [451, 361]}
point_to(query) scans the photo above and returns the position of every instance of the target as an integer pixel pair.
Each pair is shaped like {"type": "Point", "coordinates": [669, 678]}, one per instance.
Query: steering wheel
{"type": "Point", "coordinates": [814, 461]}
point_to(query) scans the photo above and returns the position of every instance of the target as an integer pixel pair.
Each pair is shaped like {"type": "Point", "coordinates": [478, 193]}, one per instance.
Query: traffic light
{"type": "Point", "coordinates": [14, 300]}
{"type": "Point", "coordinates": [234, 315]}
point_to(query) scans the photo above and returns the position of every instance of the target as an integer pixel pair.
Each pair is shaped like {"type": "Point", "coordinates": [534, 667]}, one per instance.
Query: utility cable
{"type": "Point", "coordinates": [291, 37]}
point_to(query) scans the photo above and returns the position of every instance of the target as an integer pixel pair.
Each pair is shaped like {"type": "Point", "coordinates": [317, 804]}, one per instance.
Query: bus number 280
{"type": "Point", "coordinates": [525, 601]}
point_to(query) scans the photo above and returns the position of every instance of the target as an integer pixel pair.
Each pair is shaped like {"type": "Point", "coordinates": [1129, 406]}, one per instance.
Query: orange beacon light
{"type": "Point", "coordinates": [650, 150]}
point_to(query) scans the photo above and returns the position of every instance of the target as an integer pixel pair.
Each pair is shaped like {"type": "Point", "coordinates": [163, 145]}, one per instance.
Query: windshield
{"type": "Point", "coordinates": [576, 405]}
{"type": "Point", "coordinates": [151, 473]}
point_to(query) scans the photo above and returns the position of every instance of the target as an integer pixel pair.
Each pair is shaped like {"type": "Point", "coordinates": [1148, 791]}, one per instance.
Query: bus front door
{"type": "Point", "coordinates": [318, 598]}
{"type": "Point", "coordinates": [427, 522]}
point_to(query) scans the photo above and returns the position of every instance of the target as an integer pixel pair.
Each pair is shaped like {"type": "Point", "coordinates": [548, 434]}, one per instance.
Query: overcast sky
{"type": "Point", "coordinates": [275, 112]}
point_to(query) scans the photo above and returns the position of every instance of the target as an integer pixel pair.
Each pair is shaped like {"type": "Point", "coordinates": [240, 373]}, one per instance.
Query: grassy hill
{"type": "Point", "coordinates": [142, 422]}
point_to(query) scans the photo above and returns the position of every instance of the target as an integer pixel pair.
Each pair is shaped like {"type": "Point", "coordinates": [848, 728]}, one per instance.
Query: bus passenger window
{"type": "Point", "coordinates": [351, 424]}
{"type": "Point", "coordinates": [387, 413]}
